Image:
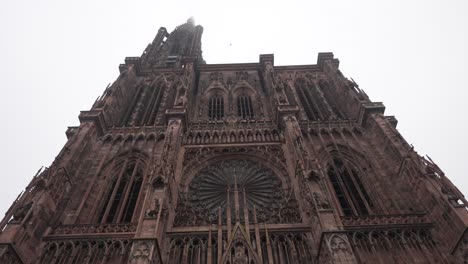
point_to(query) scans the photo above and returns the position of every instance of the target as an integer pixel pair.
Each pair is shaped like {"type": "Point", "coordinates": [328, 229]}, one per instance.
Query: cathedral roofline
{"type": "Point", "coordinates": [321, 58]}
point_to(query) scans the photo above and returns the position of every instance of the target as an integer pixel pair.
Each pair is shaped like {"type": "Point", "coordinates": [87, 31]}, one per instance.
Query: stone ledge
{"type": "Point", "coordinates": [92, 229]}
{"type": "Point", "coordinates": [385, 220]}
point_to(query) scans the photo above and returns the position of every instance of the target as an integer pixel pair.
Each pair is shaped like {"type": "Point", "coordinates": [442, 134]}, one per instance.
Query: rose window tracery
{"type": "Point", "coordinates": [211, 188]}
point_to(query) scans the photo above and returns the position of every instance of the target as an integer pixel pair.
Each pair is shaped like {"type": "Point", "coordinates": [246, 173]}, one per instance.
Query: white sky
{"type": "Point", "coordinates": [58, 56]}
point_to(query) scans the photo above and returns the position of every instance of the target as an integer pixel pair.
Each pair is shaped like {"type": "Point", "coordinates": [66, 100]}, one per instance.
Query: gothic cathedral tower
{"type": "Point", "coordinates": [180, 161]}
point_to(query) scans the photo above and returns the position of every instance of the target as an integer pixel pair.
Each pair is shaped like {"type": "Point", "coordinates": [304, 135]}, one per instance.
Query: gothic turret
{"type": "Point", "coordinates": [168, 50]}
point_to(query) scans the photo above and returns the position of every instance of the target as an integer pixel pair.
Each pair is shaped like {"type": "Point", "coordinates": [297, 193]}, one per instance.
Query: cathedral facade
{"type": "Point", "coordinates": [180, 161]}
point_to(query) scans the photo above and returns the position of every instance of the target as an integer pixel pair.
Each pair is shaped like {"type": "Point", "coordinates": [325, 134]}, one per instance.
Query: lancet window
{"type": "Point", "coordinates": [349, 190]}
{"type": "Point", "coordinates": [244, 107]}
{"type": "Point", "coordinates": [333, 100]}
{"type": "Point", "coordinates": [216, 108]}
{"type": "Point", "coordinates": [306, 100]}
{"type": "Point", "coordinates": [121, 198]}
{"type": "Point", "coordinates": [317, 103]}
{"type": "Point", "coordinates": [145, 106]}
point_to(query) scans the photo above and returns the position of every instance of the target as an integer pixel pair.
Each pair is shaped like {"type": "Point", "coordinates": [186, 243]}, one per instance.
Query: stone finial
{"type": "Point", "coordinates": [191, 20]}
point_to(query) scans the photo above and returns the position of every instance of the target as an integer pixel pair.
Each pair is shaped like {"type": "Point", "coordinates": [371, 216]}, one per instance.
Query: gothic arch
{"type": "Point", "coordinates": [245, 88]}
{"type": "Point", "coordinates": [216, 137]}
{"type": "Point", "coordinates": [129, 138]}
{"type": "Point", "coordinates": [124, 177]}
{"type": "Point", "coordinates": [214, 102]}
{"type": "Point", "coordinates": [277, 169]}
{"type": "Point", "coordinates": [158, 182]}
{"type": "Point", "coordinates": [118, 139]}
{"type": "Point", "coordinates": [346, 152]}
{"type": "Point", "coordinates": [158, 80]}
{"type": "Point", "coordinates": [189, 138]}
{"type": "Point", "coordinates": [151, 137]}
{"type": "Point", "coordinates": [140, 136]}
{"type": "Point", "coordinates": [311, 99]}
{"type": "Point", "coordinates": [65, 246]}
{"type": "Point", "coordinates": [155, 137]}
{"type": "Point", "coordinates": [215, 89]}
{"type": "Point", "coordinates": [132, 153]}
{"type": "Point", "coordinates": [346, 173]}
{"type": "Point", "coordinates": [107, 138]}
{"type": "Point", "coordinates": [146, 102]}
{"type": "Point", "coordinates": [244, 102]}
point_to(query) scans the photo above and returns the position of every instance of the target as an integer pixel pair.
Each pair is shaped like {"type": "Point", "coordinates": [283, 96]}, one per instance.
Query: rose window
{"type": "Point", "coordinates": [237, 181]}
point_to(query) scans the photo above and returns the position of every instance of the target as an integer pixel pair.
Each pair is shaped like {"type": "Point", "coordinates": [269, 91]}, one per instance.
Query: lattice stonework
{"type": "Point", "coordinates": [209, 190]}
{"type": "Point", "coordinates": [242, 182]}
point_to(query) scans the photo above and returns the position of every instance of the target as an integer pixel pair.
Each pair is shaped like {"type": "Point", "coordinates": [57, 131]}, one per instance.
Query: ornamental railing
{"type": "Point", "coordinates": [92, 229]}
{"type": "Point", "coordinates": [385, 220]}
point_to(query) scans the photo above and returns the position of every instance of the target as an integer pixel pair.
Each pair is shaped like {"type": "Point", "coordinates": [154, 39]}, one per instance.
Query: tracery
{"type": "Point", "coordinates": [231, 179]}
{"type": "Point", "coordinates": [121, 198]}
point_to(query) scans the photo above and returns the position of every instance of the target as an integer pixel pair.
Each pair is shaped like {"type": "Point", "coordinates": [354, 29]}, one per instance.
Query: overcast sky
{"type": "Point", "coordinates": [58, 56]}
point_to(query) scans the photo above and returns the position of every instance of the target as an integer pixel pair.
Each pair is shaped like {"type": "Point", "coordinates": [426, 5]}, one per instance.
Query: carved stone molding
{"type": "Point", "coordinates": [98, 250]}
{"type": "Point", "coordinates": [407, 245]}
{"type": "Point", "coordinates": [238, 124]}
{"type": "Point", "coordinates": [134, 134]}
{"type": "Point", "coordinates": [385, 220]}
{"type": "Point", "coordinates": [92, 229]}
{"type": "Point", "coordinates": [338, 242]}
{"type": "Point", "coordinates": [286, 247]}
{"type": "Point", "coordinates": [197, 156]}
{"type": "Point", "coordinates": [335, 247]}
{"type": "Point", "coordinates": [315, 126]}
{"type": "Point", "coordinates": [390, 237]}
{"type": "Point", "coordinates": [145, 251]}
{"type": "Point", "coordinates": [233, 135]}
{"type": "Point", "coordinates": [141, 251]}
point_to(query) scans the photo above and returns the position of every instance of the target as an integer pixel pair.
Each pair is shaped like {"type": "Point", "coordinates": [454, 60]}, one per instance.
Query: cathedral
{"type": "Point", "coordinates": [180, 161]}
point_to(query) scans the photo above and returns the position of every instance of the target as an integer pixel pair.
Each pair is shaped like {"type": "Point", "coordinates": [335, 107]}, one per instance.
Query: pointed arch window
{"type": "Point", "coordinates": [348, 187]}
{"type": "Point", "coordinates": [122, 195]}
{"type": "Point", "coordinates": [145, 105]}
{"type": "Point", "coordinates": [216, 107]}
{"type": "Point", "coordinates": [175, 47]}
{"type": "Point", "coordinates": [306, 97]}
{"type": "Point", "coordinates": [244, 107]}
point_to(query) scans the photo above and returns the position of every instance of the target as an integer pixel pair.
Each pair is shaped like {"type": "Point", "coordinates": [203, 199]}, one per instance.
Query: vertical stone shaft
{"type": "Point", "coordinates": [158, 220]}
{"type": "Point", "coordinates": [236, 200]}
{"type": "Point", "coordinates": [246, 215]}
{"type": "Point", "coordinates": [257, 235]}
{"type": "Point", "coordinates": [220, 235]}
{"type": "Point", "coordinates": [114, 193]}
{"type": "Point", "coordinates": [228, 213]}
{"type": "Point", "coordinates": [269, 251]}
{"type": "Point", "coordinates": [209, 253]}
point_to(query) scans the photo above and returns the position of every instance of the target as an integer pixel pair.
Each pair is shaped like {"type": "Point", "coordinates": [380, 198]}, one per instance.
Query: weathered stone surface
{"type": "Point", "coordinates": [180, 161]}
